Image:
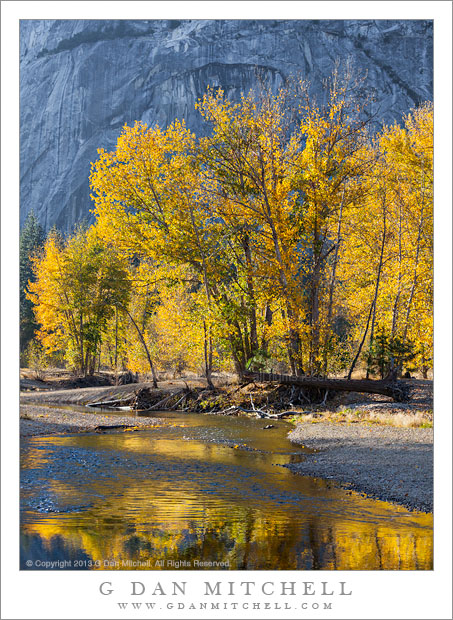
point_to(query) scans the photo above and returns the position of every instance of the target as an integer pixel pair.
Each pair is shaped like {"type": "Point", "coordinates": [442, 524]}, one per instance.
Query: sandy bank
{"type": "Point", "coordinates": [41, 420]}
{"type": "Point", "coordinates": [388, 463]}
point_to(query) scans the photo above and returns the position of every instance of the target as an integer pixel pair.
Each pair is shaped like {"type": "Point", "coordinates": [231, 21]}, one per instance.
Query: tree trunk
{"type": "Point", "coordinates": [332, 282]}
{"type": "Point", "coordinates": [238, 366]}
{"type": "Point", "coordinates": [251, 295]}
{"type": "Point", "coordinates": [378, 279]}
{"type": "Point", "coordinates": [207, 336]}
{"type": "Point", "coordinates": [400, 273]}
{"type": "Point", "coordinates": [396, 389]}
{"type": "Point", "coordinates": [313, 363]}
{"type": "Point", "coordinates": [153, 372]}
{"type": "Point", "coordinates": [289, 348]}
{"type": "Point", "coordinates": [86, 368]}
{"type": "Point", "coordinates": [82, 358]}
{"type": "Point", "coordinates": [415, 276]}
{"type": "Point", "coordinates": [208, 356]}
{"type": "Point", "coordinates": [268, 319]}
{"type": "Point", "coordinates": [293, 334]}
{"type": "Point", "coordinates": [116, 338]}
{"type": "Point", "coordinates": [373, 305]}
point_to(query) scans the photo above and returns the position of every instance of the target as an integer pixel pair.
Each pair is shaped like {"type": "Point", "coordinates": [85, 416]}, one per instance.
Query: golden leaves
{"type": "Point", "coordinates": [281, 210]}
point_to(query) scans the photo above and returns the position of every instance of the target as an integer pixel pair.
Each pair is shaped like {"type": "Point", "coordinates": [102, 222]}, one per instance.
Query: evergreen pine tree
{"type": "Point", "coordinates": [31, 240]}
{"type": "Point", "coordinates": [386, 353]}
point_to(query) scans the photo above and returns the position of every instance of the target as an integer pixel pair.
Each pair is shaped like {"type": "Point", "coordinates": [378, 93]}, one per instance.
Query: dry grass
{"type": "Point", "coordinates": [390, 417]}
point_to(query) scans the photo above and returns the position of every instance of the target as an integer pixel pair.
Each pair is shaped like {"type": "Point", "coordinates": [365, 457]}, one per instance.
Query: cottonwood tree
{"type": "Point", "coordinates": [331, 172]}
{"type": "Point", "coordinates": [388, 260]}
{"type": "Point", "coordinates": [284, 222]}
{"type": "Point", "coordinates": [78, 284]}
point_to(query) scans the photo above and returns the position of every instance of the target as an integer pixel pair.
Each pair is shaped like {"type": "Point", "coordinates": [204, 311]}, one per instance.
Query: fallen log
{"type": "Point", "coordinates": [284, 414]}
{"type": "Point", "coordinates": [183, 397]}
{"type": "Point", "coordinates": [111, 403]}
{"type": "Point", "coordinates": [397, 390]}
{"type": "Point", "coordinates": [108, 427]}
{"type": "Point", "coordinates": [163, 401]}
{"type": "Point", "coordinates": [259, 413]}
{"type": "Point", "coordinates": [275, 416]}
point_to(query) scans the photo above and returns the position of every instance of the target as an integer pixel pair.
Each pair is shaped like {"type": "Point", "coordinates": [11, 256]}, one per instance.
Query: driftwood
{"type": "Point", "coordinates": [395, 389]}
{"type": "Point", "coordinates": [113, 403]}
{"type": "Point", "coordinates": [143, 399]}
{"type": "Point", "coordinates": [260, 413]}
{"type": "Point", "coordinates": [278, 416]}
{"type": "Point", "coordinates": [183, 397]}
{"type": "Point", "coordinates": [106, 427]}
{"type": "Point", "coordinates": [164, 401]}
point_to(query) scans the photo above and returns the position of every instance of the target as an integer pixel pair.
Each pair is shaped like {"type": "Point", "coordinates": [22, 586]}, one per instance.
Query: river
{"type": "Point", "coordinates": [202, 492]}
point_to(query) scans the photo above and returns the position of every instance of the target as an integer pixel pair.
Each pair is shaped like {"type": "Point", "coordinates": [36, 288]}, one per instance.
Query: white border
{"type": "Point", "coordinates": [377, 594]}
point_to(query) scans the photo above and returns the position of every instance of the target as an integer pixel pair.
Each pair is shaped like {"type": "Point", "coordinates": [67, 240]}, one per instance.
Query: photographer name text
{"type": "Point", "coordinates": [302, 590]}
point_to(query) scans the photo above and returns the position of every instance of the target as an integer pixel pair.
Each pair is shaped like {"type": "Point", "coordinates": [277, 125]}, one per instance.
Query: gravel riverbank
{"type": "Point", "coordinates": [384, 462]}
{"type": "Point", "coordinates": [41, 420]}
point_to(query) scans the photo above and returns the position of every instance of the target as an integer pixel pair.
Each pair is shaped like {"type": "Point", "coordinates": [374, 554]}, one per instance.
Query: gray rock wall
{"type": "Point", "coordinates": [82, 80]}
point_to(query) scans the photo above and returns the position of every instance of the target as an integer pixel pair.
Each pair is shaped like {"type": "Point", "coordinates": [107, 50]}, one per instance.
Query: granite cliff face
{"type": "Point", "coordinates": [82, 80]}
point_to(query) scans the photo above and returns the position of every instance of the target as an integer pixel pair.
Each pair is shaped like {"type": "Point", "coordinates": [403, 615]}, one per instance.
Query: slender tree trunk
{"type": "Point", "coordinates": [145, 308]}
{"type": "Point", "coordinates": [372, 311]}
{"type": "Point", "coordinates": [293, 335]}
{"type": "Point", "coordinates": [290, 348]}
{"type": "Point", "coordinates": [400, 273]}
{"type": "Point", "coordinates": [151, 365]}
{"type": "Point", "coordinates": [373, 320]}
{"type": "Point", "coordinates": [251, 295]}
{"type": "Point", "coordinates": [415, 276]}
{"type": "Point", "coordinates": [314, 364]}
{"type": "Point", "coordinates": [314, 318]}
{"type": "Point", "coordinates": [87, 357]}
{"type": "Point", "coordinates": [240, 345]}
{"type": "Point", "coordinates": [333, 282]}
{"type": "Point", "coordinates": [70, 313]}
{"type": "Point", "coordinates": [208, 356]}
{"type": "Point", "coordinates": [210, 360]}
{"type": "Point", "coordinates": [247, 342]}
{"type": "Point", "coordinates": [268, 320]}
{"type": "Point", "coordinates": [294, 346]}
{"type": "Point", "coordinates": [92, 365]}
{"type": "Point", "coordinates": [116, 338]}
{"type": "Point", "coordinates": [82, 359]}
{"type": "Point", "coordinates": [207, 328]}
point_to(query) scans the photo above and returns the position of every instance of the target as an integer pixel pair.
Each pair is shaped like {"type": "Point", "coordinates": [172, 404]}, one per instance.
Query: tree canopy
{"type": "Point", "coordinates": [286, 237]}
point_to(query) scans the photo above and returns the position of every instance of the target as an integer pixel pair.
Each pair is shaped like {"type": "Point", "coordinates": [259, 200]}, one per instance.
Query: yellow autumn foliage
{"type": "Point", "coordinates": [285, 237]}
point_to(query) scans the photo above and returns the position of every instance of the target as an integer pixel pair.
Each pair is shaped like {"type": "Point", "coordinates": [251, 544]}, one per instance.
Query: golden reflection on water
{"type": "Point", "coordinates": [237, 507]}
{"type": "Point", "coordinates": [244, 540]}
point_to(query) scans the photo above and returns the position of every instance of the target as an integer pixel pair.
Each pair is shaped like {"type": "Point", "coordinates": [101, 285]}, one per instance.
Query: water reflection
{"type": "Point", "coordinates": [177, 498]}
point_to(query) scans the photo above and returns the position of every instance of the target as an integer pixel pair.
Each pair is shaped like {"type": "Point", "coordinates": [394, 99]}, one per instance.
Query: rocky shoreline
{"type": "Point", "coordinates": [390, 461]}
{"type": "Point", "coordinates": [43, 420]}
{"type": "Point", "coordinates": [384, 462]}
